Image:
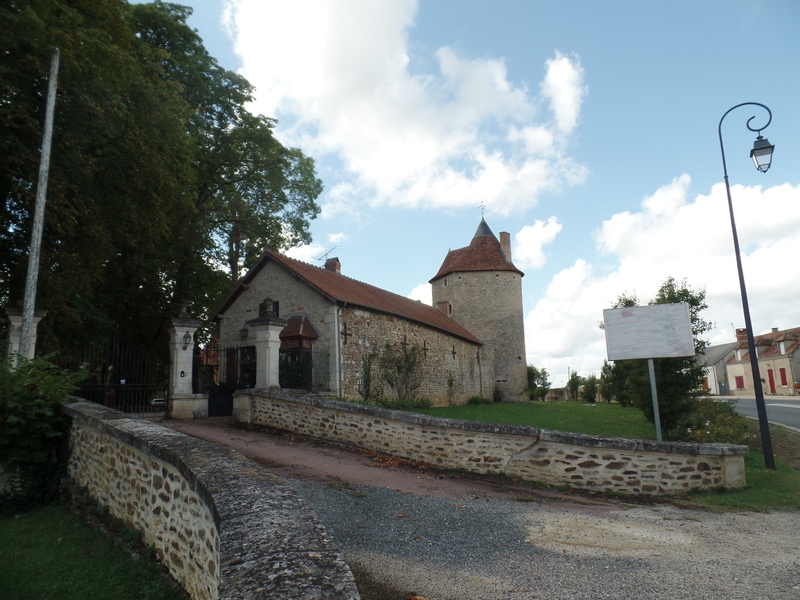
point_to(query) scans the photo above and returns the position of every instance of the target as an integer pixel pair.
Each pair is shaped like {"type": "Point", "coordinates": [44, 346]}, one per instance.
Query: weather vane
{"type": "Point", "coordinates": [483, 207]}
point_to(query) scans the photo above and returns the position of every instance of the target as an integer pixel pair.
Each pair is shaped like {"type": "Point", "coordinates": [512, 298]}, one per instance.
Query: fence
{"type": "Point", "coordinates": [304, 369]}
{"type": "Point", "coordinates": [121, 376]}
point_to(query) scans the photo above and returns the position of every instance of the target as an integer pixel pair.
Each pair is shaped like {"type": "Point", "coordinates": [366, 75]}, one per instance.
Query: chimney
{"type": "Point", "coordinates": [333, 264]}
{"type": "Point", "coordinates": [774, 330]}
{"type": "Point", "coordinates": [741, 335]}
{"type": "Point", "coordinates": [505, 244]}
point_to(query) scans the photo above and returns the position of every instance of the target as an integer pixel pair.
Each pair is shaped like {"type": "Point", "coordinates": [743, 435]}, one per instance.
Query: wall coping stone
{"type": "Point", "coordinates": [503, 428]}
{"type": "Point", "coordinates": [272, 544]}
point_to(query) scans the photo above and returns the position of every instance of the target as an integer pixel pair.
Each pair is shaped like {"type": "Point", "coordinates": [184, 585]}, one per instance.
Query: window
{"type": "Point", "coordinates": [740, 382]}
{"type": "Point", "coordinates": [784, 380]}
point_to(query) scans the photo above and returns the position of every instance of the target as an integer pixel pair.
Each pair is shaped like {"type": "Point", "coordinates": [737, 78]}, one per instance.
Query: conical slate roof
{"type": "Point", "coordinates": [484, 253]}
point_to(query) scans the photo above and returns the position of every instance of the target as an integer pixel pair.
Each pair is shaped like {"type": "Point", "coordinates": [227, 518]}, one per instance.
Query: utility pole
{"type": "Point", "coordinates": [29, 303]}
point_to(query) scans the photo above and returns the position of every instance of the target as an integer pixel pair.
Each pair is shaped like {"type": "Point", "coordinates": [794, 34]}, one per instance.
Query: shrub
{"type": "Point", "coordinates": [405, 403]}
{"type": "Point", "coordinates": [401, 369]}
{"type": "Point", "coordinates": [479, 400]}
{"type": "Point", "coordinates": [713, 421]}
{"type": "Point", "coordinates": [33, 428]}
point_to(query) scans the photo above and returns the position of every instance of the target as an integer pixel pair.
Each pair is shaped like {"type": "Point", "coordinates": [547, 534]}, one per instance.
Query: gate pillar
{"type": "Point", "coordinates": [183, 404]}
{"type": "Point", "coordinates": [267, 328]}
{"type": "Point", "coordinates": [15, 331]}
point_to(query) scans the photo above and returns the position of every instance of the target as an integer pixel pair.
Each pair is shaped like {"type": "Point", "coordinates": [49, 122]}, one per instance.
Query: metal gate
{"type": "Point", "coordinates": [304, 369]}
{"type": "Point", "coordinates": [122, 376]}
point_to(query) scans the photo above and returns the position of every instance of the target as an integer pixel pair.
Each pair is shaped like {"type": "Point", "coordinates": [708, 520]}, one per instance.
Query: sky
{"type": "Point", "coordinates": [587, 130]}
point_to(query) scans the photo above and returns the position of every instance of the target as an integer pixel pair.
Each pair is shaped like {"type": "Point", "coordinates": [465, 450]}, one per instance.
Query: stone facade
{"type": "Point", "coordinates": [579, 461]}
{"type": "Point", "coordinates": [293, 298]}
{"type": "Point", "coordinates": [223, 526]}
{"type": "Point", "coordinates": [489, 304]}
{"type": "Point", "coordinates": [452, 369]}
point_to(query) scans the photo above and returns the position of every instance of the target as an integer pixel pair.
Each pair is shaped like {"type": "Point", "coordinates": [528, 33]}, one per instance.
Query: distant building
{"type": "Point", "coordinates": [471, 341]}
{"type": "Point", "coordinates": [778, 362]}
{"type": "Point", "coordinates": [714, 359]}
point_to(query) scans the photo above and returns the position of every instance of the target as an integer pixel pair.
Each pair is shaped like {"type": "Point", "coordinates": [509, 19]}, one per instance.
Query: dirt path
{"type": "Point", "coordinates": [297, 457]}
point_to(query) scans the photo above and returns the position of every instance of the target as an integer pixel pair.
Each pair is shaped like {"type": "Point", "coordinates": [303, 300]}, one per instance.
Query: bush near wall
{"type": "Point", "coordinates": [33, 430]}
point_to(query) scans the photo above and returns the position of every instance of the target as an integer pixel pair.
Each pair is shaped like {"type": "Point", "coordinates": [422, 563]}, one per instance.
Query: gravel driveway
{"type": "Point", "coordinates": [472, 539]}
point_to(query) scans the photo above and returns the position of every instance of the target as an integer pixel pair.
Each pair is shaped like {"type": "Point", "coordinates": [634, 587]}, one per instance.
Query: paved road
{"type": "Point", "coordinates": [784, 410]}
{"type": "Point", "coordinates": [459, 538]}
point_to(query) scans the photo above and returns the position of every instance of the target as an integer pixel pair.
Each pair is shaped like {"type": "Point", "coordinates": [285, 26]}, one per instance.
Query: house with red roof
{"type": "Point", "coordinates": [334, 327]}
{"type": "Point", "coordinates": [778, 363]}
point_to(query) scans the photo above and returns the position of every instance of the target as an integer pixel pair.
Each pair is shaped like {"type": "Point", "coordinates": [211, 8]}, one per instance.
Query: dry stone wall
{"type": "Point", "coordinates": [580, 461]}
{"type": "Point", "coordinates": [223, 526]}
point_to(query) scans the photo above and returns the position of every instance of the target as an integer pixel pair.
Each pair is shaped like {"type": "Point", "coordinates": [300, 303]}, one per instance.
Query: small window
{"type": "Point", "coordinates": [784, 379]}
{"type": "Point", "coordinates": [740, 382]}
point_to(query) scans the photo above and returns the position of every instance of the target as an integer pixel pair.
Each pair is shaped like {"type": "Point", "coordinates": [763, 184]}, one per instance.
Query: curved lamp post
{"type": "Point", "coordinates": [762, 157]}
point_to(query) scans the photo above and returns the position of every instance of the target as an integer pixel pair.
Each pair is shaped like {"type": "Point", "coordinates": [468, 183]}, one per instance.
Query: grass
{"type": "Point", "coordinates": [50, 552]}
{"type": "Point", "coordinates": [609, 420]}
{"type": "Point", "coordinates": [766, 489]}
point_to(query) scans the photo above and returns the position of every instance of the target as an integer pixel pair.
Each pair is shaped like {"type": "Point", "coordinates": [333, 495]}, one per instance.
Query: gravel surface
{"type": "Point", "coordinates": [468, 539]}
{"type": "Point", "coordinates": [477, 549]}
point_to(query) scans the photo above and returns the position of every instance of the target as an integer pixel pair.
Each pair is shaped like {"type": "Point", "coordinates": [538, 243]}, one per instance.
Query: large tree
{"type": "Point", "coordinates": [162, 185]}
{"type": "Point", "coordinates": [678, 380]}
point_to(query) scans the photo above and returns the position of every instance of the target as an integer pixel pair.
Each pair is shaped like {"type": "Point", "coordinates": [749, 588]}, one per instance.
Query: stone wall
{"type": "Point", "coordinates": [451, 373]}
{"type": "Point", "coordinates": [223, 526]}
{"type": "Point", "coordinates": [574, 460]}
{"type": "Point", "coordinates": [489, 305]}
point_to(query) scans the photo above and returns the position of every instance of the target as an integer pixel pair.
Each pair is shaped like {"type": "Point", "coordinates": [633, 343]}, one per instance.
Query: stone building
{"type": "Point", "coordinates": [334, 328]}
{"type": "Point", "coordinates": [481, 289]}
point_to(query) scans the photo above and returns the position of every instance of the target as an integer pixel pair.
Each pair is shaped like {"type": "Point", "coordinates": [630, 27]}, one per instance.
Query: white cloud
{"type": "Point", "coordinates": [672, 236]}
{"type": "Point", "coordinates": [309, 253]}
{"type": "Point", "coordinates": [342, 80]}
{"type": "Point", "coordinates": [530, 242]}
{"type": "Point", "coordinates": [337, 238]}
{"type": "Point", "coordinates": [423, 293]}
{"type": "Point", "coordinates": [563, 87]}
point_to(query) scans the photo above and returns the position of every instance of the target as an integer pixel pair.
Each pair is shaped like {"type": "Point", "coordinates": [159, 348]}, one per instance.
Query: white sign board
{"type": "Point", "coordinates": [656, 331]}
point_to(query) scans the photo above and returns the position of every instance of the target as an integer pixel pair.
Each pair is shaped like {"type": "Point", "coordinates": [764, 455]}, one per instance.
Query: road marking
{"type": "Point", "coordinates": [786, 405]}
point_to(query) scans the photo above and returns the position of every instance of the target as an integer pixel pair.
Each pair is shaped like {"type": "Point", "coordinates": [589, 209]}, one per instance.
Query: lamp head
{"type": "Point", "coordinates": [762, 154]}
{"type": "Point", "coordinates": [187, 339]}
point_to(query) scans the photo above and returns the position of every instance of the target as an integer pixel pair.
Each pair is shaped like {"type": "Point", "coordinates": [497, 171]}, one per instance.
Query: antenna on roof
{"type": "Point", "coordinates": [325, 255]}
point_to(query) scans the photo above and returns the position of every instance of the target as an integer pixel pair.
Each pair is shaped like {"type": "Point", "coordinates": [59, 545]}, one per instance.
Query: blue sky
{"type": "Point", "coordinates": [587, 129]}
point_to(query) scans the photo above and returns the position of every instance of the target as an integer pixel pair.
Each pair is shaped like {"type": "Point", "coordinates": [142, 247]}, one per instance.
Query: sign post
{"type": "Point", "coordinates": [653, 331]}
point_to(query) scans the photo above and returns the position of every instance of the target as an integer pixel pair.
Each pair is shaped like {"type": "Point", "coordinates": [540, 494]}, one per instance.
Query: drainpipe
{"type": "Point", "coordinates": [480, 372]}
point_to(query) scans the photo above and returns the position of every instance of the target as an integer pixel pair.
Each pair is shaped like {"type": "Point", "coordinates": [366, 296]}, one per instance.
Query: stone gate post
{"type": "Point", "coordinates": [183, 404]}
{"type": "Point", "coordinates": [15, 331]}
{"type": "Point", "coordinates": [267, 328]}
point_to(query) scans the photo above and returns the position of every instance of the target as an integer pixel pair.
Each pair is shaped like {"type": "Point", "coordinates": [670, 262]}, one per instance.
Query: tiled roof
{"type": "Point", "coordinates": [770, 343]}
{"type": "Point", "coordinates": [484, 253]}
{"type": "Point", "coordinates": [714, 354]}
{"type": "Point", "coordinates": [344, 290]}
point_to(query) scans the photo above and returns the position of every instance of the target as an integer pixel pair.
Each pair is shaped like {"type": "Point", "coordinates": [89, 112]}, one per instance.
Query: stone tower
{"type": "Point", "coordinates": [481, 289]}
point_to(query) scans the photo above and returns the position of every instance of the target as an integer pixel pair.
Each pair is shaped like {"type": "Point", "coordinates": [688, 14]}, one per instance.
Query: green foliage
{"type": "Point", "coordinates": [588, 392]}
{"type": "Point", "coordinates": [365, 390]}
{"type": "Point", "coordinates": [538, 383]}
{"type": "Point", "coordinates": [713, 421]}
{"type": "Point", "coordinates": [479, 400]}
{"type": "Point", "coordinates": [162, 185]}
{"type": "Point", "coordinates": [405, 403]}
{"type": "Point", "coordinates": [678, 380]}
{"type": "Point", "coordinates": [574, 384]}
{"type": "Point", "coordinates": [401, 369]}
{"type": "Point", "coordinates": [33, 428]}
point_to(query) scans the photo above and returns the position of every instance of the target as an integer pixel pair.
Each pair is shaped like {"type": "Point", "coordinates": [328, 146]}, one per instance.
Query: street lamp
{"type": "Point", "coordinates": [762, 157]}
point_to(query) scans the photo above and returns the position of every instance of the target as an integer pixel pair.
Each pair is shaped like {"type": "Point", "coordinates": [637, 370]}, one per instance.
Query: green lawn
{"type": "Point", "coordinates": [609, 420]}
{"type": "Point", "coordinates": [51, 553]}
{"type": "Point", "coordinates": [766, 490]}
